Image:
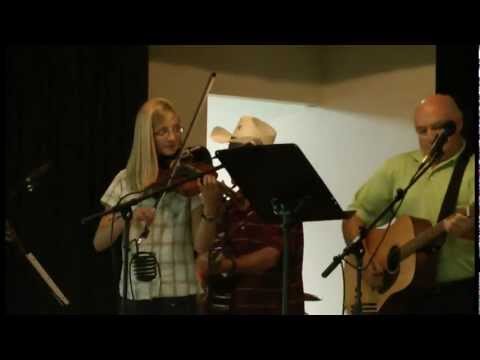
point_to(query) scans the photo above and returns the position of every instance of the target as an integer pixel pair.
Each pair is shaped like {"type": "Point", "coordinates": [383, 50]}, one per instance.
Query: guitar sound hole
{"type": "Point", "coordinates": [393, 260]}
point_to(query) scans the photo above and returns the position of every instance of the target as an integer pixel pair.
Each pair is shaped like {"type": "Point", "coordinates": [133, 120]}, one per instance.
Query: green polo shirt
{"type": "Point", "coordinates": [423, 200]}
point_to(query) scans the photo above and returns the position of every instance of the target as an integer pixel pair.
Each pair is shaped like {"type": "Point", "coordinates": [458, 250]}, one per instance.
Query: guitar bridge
{"type": "Point", "coordinates": [367, 308]}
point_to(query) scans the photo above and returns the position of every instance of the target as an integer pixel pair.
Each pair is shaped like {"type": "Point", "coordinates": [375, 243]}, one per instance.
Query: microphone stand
{"type": "Point", "coordinates": [11, 236]}
{"type": "Point", "coordinates": [288, 220]}
{"type": "Point", "coordinates": [356, 247]}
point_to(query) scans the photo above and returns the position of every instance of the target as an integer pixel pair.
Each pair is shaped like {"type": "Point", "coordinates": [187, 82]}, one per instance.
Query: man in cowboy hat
{"type": "Point", "coordinates": [247, 249]}
{"type": "Point", "coordinates": [249, 130]}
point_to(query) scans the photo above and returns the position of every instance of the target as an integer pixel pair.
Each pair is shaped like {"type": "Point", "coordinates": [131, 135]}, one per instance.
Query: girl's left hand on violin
{"type": "Point", "coordinates": [211, 194]}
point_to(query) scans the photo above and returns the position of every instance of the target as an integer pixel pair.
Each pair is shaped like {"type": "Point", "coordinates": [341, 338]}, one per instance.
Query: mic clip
{"type": "Point", "coordinates": [142, 236]}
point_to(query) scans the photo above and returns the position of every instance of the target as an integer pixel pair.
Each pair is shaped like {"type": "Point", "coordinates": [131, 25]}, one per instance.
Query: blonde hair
{"type": "Point", "coordinates": [142, 165]}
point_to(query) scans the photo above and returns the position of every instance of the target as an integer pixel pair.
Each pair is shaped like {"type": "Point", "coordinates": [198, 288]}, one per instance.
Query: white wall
{"type": "Point", "coordinates": [347, 107]}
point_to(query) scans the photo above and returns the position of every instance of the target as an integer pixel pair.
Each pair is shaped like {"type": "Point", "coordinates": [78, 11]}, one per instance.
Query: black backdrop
{"type": "Point", "coordinates": [75, 106]}
{"type": "Point", "coordinates": [457, 69]}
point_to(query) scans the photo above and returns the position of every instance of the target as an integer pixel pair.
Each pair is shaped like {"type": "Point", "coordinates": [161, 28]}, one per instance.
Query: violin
{"type": "Point", "coordinates": [183, 174]}
{"type": "Point", "coordinates": [193, 163]}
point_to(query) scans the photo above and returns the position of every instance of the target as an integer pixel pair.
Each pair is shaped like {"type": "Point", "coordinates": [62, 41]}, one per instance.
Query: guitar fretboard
{"type": "Point", "coordinates": [422, 240]}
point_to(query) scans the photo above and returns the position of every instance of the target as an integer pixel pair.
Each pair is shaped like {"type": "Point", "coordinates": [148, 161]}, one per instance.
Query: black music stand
{"type": "Point", "coordinates": [283, 188]}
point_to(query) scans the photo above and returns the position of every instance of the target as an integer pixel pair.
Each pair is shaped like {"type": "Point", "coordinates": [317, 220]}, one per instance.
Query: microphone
{"type": "Point", "coordinates": [39, 172]}
{"type": "Point", "coordinates": [145, 266]}
{"type": "Point", "coordinates": [437, 148]}
{"type": "Point", "coordinates": [36, 174]}
{"type": "Point", "coordinates": [144, 263]}
{"type": "Point", "coordinates": [29, 182]}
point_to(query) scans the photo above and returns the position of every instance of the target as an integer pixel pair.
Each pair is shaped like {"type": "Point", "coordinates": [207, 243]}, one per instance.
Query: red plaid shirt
{"type": "Point", "coordinates": [242, 232]}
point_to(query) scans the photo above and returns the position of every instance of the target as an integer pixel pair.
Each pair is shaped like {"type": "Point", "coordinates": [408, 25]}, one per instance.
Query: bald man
{"type": "Point", "coordinates": [453, 290]}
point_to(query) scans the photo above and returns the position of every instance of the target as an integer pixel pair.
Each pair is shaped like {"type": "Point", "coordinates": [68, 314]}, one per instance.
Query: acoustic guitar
{"type": "Point", "coordinates": [398, 263]}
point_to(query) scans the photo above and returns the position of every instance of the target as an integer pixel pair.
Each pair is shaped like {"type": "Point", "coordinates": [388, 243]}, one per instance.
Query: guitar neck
{"type": "Point", "coordinates": [420, 241]}
{"type": "Point", "coordinates": [427, 237]}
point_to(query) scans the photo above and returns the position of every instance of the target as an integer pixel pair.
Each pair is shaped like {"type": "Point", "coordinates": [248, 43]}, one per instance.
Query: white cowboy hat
{"type": "Point", "coordinates": [249, 130]}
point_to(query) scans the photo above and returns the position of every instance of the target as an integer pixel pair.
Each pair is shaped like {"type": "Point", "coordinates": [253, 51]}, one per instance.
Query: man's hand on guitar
{"type": "Point", "coordinates": [460, 226]}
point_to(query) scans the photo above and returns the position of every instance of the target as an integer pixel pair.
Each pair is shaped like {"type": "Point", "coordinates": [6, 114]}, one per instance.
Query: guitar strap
{"type": "Point", "coordinates": [451, 196]}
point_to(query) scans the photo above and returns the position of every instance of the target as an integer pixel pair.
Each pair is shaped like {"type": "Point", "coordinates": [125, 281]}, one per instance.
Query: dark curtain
{"type": "Point", "coordinates": [75, 107]}
{"type": "Point", "coordinates": [457, 75]}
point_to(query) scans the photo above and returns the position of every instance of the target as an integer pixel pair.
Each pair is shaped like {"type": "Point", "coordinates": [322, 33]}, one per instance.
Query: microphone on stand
{"type": "Point", "coordinates": [437, 147]}
{"type": "Point", "coordinates": [144, 263]}
{"type": "Point", "coordinates": [30, 182]}
{"type": "Point", "coordinates": [145, 266]}
{"type": "Point", "coordinates": [36, 174]}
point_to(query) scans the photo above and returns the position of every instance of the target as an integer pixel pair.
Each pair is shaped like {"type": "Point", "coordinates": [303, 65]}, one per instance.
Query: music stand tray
{"type": "Point", "coordinates": [282, 172]}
